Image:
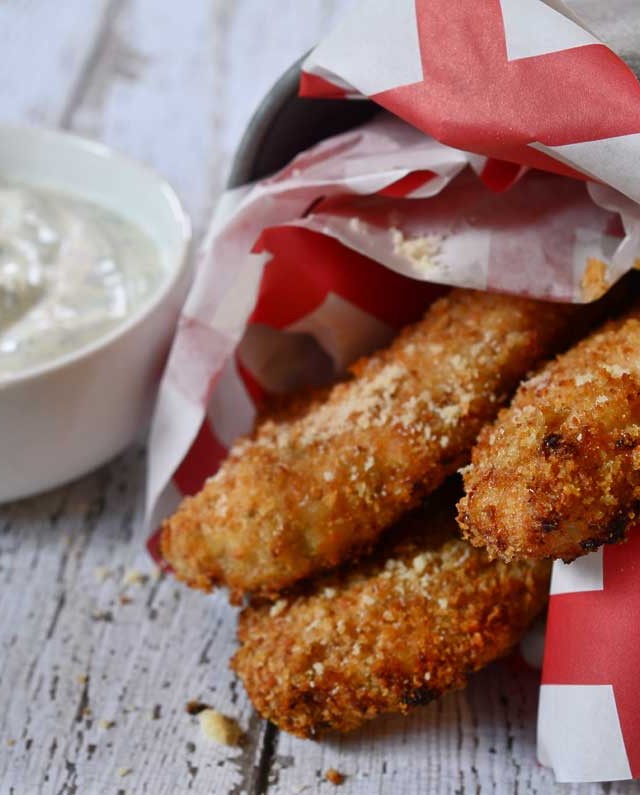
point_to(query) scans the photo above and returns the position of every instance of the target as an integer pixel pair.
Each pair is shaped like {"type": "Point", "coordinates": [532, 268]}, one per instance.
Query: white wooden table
{"type": "Point", "coordinates": [95, 675]}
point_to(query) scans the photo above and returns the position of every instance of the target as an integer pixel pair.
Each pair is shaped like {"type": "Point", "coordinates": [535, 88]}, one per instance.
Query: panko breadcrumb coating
{"type": "Point", "coordinates": [558, 474]}
{"type": "Point", "coordinates": [387, 634]}
{"type": "Point", "coordinates": [305, 492]}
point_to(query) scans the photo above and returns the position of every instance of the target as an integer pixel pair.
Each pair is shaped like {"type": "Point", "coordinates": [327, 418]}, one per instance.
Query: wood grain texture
{"type": "Point", "coordinates": [47, 49]}
{"type": "Point", "coordinates": [174, 84]}
{"type": "Point", "coordinates": [76, 652]}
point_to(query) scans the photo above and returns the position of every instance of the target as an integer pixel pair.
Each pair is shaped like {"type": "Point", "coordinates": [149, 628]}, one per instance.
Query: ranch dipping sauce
{"type": "Point", "coordinates": [70, 272]}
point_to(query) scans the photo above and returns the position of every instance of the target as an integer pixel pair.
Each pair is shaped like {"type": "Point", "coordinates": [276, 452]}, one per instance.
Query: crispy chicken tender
{"type": "Point", "coordinates": [303, 493]}
{"type": "Point", "coordinates": [387, 634]}
{"type": "Point", "coordinates": [558, 474]}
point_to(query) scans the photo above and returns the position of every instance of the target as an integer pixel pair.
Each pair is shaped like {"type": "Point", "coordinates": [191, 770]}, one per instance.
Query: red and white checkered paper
{"type": "Point", "coordinates": [305, 271]}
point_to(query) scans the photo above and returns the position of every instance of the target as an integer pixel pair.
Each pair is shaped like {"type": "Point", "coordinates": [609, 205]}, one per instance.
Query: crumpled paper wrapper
{"type": "Point", "coordinates": [324, 261]}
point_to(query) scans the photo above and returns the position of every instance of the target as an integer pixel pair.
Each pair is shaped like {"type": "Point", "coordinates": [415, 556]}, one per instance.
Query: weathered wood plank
{"type": "Point", "coordinates": [154, 93]}
{"type": "Point", "coordinates": [46, 49]}
{"type": "Point", "coordinates": [75, 652]}
{"type": "Point", "coordinates": [176, 88]}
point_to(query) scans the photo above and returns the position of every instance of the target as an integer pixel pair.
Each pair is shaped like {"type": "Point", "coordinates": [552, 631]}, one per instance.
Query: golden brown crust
{"type": "Point", "coordinates": [387, 634]}
{"type": "Point", "coordinates": [558, 474]}
{"type": "Point", "coordinates": [304, 493]}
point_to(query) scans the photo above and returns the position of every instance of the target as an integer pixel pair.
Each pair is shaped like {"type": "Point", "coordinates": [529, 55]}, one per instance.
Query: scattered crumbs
{"type": "Point", "coordinates": [219, 728]}
{"type": "Point", "coordinates": [87, 712]}
{"type": "Point", "coordinates": [583, 378]}
{"type": "Point", "coordinates": [124, 771]}
{"type": "Point", "coordinates": [11, 743]}
{"type": "Point", "coordinates": [102, 573]}
{"type": "Point", "coordinates": [329, 593]}
{"type": "Point", "coordinates": [278, 607]}
{"type": "Point", "coordinates": [134, 577]}
{"type": "Point", "coordinates": [355, 224]}
{"type": "Point", "coordinates": [423, 252]}
{"type": "Point", "coordinates": [427, 676]}
{"type": "Point", "coordinates": [82, 679]}
{"type": "Point", "coordinates": [329, 476]}
{"type": "Point", "coordinates": [334, 776]}
{"type": "Point", "coordinates": [370, 405]}
{"type": "Point", "coordinates": [195, 707]}
{"type": "Point", "coordinates": [102, 615]}
{"type": "Point", "coordinates": [318, 668]}
{"type": "Point", "coordinates": [103, 723]}
{"type": "Point", "coordinates": [594, 279]}
{"type": "Point", "coordinates": [125, 600]}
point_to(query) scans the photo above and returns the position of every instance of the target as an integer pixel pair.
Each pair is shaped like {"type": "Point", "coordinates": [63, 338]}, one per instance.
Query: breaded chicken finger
{"type": "Point", "coordinates": [559, 472]}
{"type": "Point", "coordinates": [387, 634]}
{"type": "Point", "coordinates": [304, 493]}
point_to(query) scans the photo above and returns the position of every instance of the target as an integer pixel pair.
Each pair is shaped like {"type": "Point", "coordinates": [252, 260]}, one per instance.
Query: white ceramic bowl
{"type": "Point", "coordinates": [60, 420]}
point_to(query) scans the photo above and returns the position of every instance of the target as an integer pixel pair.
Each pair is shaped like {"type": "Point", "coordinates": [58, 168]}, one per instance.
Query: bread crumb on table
{"type": "Point", "coordinates": [195, 707]}
{"type": "Point", "coordinates": [134, 577]}
{"type": "Point", "coordinates": [124, 771]}
{"type": "Point", "coordinates": [102, 615]}
{"type": "Point", "coordinates": [334, 776]}
{"type": "Point", "coordinates": [219, 728]}
{"type": "Point", "coordinates": [102, 573]}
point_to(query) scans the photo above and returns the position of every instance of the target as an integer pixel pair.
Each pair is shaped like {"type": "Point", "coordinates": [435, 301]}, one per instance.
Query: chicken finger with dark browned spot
{"type": "Point", "coordinates": [558, 474]}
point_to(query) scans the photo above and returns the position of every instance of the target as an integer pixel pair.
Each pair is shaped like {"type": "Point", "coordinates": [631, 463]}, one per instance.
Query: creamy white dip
{"type": "Point", "coordinates": [70, 272]}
